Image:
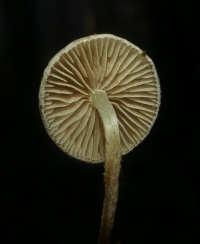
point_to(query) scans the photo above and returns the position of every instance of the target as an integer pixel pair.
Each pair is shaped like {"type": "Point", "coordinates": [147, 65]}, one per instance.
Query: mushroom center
{"type": "Point", "coordinates": [107, 113]}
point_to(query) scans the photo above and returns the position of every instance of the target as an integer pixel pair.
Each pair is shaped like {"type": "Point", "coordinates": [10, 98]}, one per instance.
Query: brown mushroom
{"type": "Point", "coordinates": [99, 98]}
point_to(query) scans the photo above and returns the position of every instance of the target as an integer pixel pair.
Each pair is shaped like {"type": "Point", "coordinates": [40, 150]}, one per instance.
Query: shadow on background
{"type": "Point", "coordinates": [51, 198]}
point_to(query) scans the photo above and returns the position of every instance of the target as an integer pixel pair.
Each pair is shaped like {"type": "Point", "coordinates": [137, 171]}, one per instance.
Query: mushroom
{"type": "Point", "coordinates": [99, 98]}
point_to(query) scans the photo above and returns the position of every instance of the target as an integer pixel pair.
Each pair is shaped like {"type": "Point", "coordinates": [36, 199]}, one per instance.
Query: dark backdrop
{"type": "Point", "coordinates": [50, 198]}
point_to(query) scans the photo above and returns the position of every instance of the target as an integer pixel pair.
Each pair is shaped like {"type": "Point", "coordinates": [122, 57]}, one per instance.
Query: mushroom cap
{"type": "Point", "coordinates": [105, 62]}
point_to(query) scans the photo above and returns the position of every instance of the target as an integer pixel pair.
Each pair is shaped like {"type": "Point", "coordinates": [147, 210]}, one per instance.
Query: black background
{"type": "Point", "coordinates": [50, 198]}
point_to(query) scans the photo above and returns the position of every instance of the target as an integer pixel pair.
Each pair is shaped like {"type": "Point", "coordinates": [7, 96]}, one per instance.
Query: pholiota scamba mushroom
{"type": "Point", "coordinates": [99, 98]}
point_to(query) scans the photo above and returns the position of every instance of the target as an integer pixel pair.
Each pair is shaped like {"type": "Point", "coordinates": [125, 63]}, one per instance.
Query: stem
{"type": "Point", "coordinates": [112, 162]}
